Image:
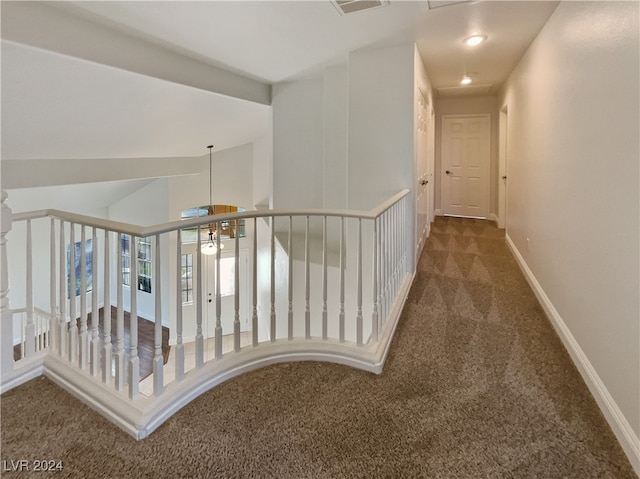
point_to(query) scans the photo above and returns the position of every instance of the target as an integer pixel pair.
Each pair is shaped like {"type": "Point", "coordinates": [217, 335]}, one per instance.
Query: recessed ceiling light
{"type": "Point", "coordinates": [474, 40]}
{"type": "Point", "coordinates": [466, 80]}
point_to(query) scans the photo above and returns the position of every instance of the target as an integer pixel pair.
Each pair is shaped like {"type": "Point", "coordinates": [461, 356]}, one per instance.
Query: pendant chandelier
{"type": "Point", "coordinates": [210, 246]}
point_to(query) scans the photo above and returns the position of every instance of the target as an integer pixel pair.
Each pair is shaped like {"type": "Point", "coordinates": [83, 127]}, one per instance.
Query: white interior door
{"type": "Point", "coordinates": [228, 293]}
{"type": "Point", "coordinates": [465, 165]}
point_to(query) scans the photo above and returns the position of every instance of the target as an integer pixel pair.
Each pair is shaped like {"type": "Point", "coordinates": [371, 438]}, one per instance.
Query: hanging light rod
{"type": "Point", "coordinates": [210, 247]}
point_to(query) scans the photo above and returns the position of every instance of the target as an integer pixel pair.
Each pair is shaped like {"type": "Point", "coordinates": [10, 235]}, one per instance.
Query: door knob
{"type": "Point", "coordinates": [448, 172]}
{"type": "Point", "coordinates": [504, 177]}
{"type": "Point", "coordinates": [423, 182]}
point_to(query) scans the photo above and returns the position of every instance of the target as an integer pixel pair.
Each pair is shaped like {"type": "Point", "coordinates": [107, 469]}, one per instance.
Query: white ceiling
{"type": "Point", "coordinates": [58, 106]}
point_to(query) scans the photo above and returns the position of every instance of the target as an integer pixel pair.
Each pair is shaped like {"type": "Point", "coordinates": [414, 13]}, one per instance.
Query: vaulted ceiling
{"type": "Point", "coordinates": [164, 79]}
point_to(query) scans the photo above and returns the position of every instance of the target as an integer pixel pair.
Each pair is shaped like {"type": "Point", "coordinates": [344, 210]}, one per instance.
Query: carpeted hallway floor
{"type": "Point", "coordinates": [477, 384]}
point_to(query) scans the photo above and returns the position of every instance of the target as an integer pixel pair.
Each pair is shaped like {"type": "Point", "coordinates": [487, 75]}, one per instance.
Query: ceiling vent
{"type": "Point", "coordinates": [351, 6]}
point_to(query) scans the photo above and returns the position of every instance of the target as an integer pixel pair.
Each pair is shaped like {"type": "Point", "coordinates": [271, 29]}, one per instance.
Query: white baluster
{"type": "Point", "coordinates": [290, 281]}
{"type": "Point", "coordinates": [381, 316]}
{"type": "Point", "coordinates": [120, 353]}
{"type": "Point", "coordinates": [73, 329]}
{"type": "Point", "coordinates": [324, 278]}
{"type": "Point", "coordinates": [387, 261]}
{"type": "Point", "coordinates": [53, 319]}
{"type": "Point", "coordinates": [218, 297]}
{"type": "Point", "coordinates": [158, 364]}
{"type": "Point", "coordinates": [398, 235]}
{"type": "Point", "coordinates": [95, 311]}
{"type": "Point", "coordinates": [403, 228]}
{"type": "Point", "coordinates": [6, 317]}
{"type": "Point", "coordinates": [179, 343]}
{"type": "Point", "coordinates": [342, 268]}
{"type": "Point", "coordinates": [359, 285]}
{"type": "Point", "coordinates": [394, 251]}
{"type": "Point", "coordinates": [30, 330]}
{"type": "Point", "coordinates": [307, 284]}
{"type": "Point", "coordinates": [63, 330]}
{"type": "Point", "coordinates": [134, 361]}
{"type": "Point", "coordinates": [236, 289]}
{"type": "Point", "coordinates": [199, 305]}
{"type": "Point", "coordinates": [272, 315]}
{"type": "Point", "coordinates": [374, 286]}
{"type": "Point", "coordinates": [254, 313]}
{"type": "Point", "coordinates": [107, 354]}
{"type": "Point", "coordinates": [84, 334]}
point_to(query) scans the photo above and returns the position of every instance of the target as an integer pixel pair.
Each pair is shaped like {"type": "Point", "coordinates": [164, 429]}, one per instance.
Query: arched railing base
{"type": "Point", "coordinates": [141, 417]}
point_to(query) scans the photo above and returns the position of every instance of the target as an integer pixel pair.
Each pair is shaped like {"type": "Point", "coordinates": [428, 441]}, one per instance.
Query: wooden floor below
{"type": "Point", "coordinates": [146, 339]}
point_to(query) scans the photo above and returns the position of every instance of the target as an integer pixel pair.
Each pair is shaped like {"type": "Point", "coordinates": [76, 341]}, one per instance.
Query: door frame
{"type": "Point", "coordinates": [503, 176]}
{"type": "Point", "coordinates": [442, 168]}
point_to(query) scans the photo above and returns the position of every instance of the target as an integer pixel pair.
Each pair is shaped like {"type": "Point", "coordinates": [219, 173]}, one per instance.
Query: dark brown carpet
{"type": "Point", "coordinates": [477, 384]}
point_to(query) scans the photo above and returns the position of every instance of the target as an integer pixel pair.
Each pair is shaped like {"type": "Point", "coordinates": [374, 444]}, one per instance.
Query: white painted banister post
{"type": "Point", "coordinates": [342, 268]}
{"type": "Point", "coordinates": [95, 312]}
{"type": "Point", "coordinates": [73, 328]}
{"type": "Point", "coordinates": [254, 313]}
{"type": "Point", "coordinates": [119, 372]}
{"type": "Point", "coordinates": [290, 281]}
{"type": "Point", "coordinates": [134, 361]}
{"type": "Point", "coordinates": [53, 319]}
{"type": "Point", "coordinates": [6, 324]}
{"type": "Point", "coordinates": [199, 304]}
{"type": "Point", "coordinates": [307, 283]}
{"type": "Point", "coordinates": [236, 289]}
{"type": "Point", "coordinates": [218, 297]}
{"type": "Point", "coordinates": [387, 262]}
{"type": "Point", "coordinates": [107, 353]}
{"type": "Point", "coordinates": [272, 316]}
{"type": "Point", "coordinates": [63, 330]}
{"type": "Point", "coordinates": [84, 335]}
{"type": "Point", "coordinates": [179, 343]}
{"type": "Point", "coordinates": [158, 364]}
{"type": "Point", "coordinates": [30, 330]}
{"type": "Point", "coordinates": [374, 287]}
{"type": "Point", "coordinates": [359, 285]}
{"type": "Point", "coordinates": [324, 278]}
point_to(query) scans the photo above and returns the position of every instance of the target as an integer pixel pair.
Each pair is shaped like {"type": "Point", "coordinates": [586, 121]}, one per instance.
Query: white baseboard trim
{"type": "Point", "coordinates": [437, 212]}
{"type": "Point", "coordinates": [24, 371]}
{"type": "Point", "coordinates": [629, 441]}
{"type": "Point", "coordinates": [492, 217]}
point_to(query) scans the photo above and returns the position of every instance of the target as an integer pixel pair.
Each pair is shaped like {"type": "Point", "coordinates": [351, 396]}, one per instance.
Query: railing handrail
{"type": "Point", "coordinates": [140, 231]}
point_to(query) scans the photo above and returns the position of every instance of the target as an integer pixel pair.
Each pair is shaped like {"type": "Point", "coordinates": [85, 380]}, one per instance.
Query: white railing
{"type": "Point", "coordinates": [34, 329]}
{"type": "Point", "coordinates": [323, 285]}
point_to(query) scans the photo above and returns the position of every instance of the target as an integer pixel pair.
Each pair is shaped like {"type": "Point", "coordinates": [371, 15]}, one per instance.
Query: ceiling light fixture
{"type": "Point", "coordinates": [474, 40]}
{"type": "Point", "coordinates": [466, 80]}
{"type": "Point", "coordinates": [210, 247]}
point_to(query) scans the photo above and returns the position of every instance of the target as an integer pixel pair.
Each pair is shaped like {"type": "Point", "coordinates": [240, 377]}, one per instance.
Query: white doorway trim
{"type": "Point", "coordinates": [465, 186]}
{"type": "Point", "coordinates": [502, 167]}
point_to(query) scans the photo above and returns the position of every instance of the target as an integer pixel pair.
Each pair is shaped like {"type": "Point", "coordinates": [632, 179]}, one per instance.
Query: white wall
{"type": "Point", "coordinates": [469, 106]}
{"type": "Point", "coordinates": [336, 136]}
{"type": "Point", "coordinates": [573, 172]}
{"type": "Point", "coordinates": [263, 170]}
{"type": "Point", "coordinates": [298, 144]}
{"type": "Point", "coordinates": [381, 123]}
{"type": "Point", "coordinates": [381, 129]}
